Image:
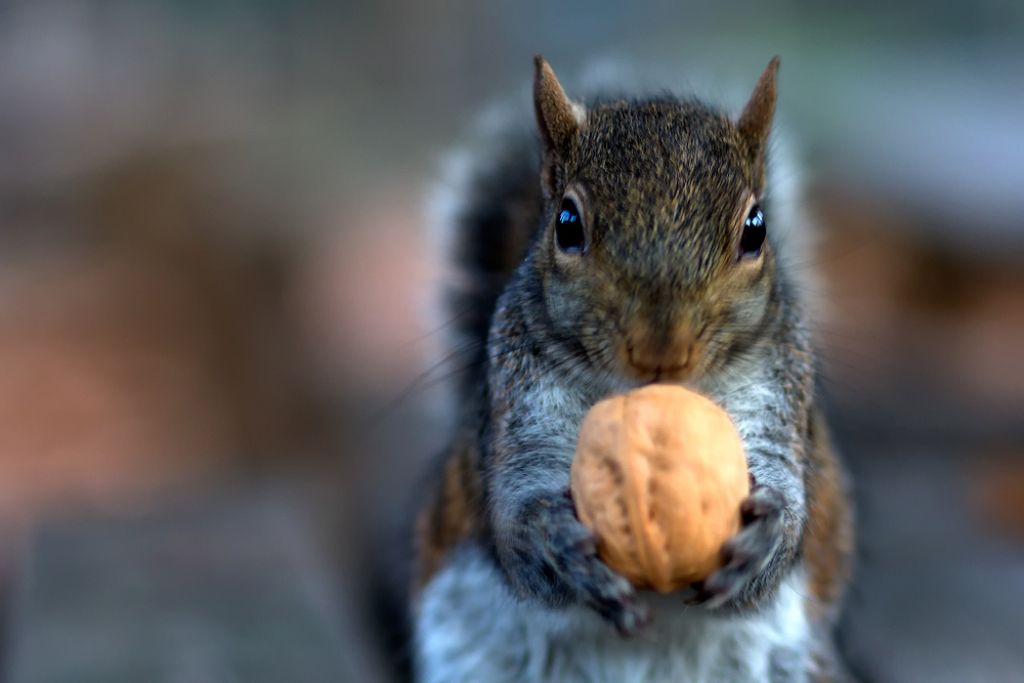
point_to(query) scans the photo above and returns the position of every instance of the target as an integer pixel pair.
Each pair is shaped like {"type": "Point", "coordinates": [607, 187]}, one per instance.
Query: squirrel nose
{"type": "Point", "coordinates": [648, 360]}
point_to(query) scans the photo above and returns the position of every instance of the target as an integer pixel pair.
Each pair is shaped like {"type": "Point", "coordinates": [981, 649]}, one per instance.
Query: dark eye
{"type": "Point", "coordinates": [569, 228]}
{"type": "Point", "coordinates": [754, 232]}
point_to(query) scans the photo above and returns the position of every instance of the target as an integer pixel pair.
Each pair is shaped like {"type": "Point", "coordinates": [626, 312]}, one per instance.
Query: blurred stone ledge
{"type": "Point", "coordinates": [227, 588]}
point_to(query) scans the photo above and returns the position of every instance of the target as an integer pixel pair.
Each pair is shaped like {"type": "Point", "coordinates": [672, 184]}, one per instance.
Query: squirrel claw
{"type": "Point", "coordinates": [573, 552]}
{"type": "Point", "coordinates": [615, 600]}
{"type": "Point", "coordinates": [747, 555]}
{"type": "Point", "coordinates": [633, 618]}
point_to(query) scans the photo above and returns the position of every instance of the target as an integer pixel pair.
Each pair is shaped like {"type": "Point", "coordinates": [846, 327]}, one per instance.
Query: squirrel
{"type": "Point", "coordinates": [631, 241]}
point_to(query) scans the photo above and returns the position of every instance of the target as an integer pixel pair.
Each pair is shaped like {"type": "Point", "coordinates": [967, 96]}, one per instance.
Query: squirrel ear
{"type": "Point", "coordinates": [756, 120]}
{"type": "Point", "coordinates": [558, 118]}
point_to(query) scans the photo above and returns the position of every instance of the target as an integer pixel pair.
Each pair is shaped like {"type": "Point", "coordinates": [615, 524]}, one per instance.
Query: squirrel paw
{"type": "Point", "coordinates": [571, 572]}
{"type": "Point", "coordinates": [746, 556]}
{"type": "Point", "coordinates": [597, 586]}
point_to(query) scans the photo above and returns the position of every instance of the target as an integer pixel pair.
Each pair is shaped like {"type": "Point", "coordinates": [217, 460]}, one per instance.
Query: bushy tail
{"type": "Point", "coordinates": [489, 213]}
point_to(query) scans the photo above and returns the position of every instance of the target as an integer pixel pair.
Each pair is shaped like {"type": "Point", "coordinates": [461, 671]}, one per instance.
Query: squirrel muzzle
{"type": "Point", "coordinates": [647, 354]}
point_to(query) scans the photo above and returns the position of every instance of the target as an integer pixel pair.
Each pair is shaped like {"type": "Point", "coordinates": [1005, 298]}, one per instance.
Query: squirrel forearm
{"type": "Point", "coordinates": [532, 420]}
{"type": "Point", "coordinates": [770, 408]}
{"type": "Point", "coordinates": [546, 554]}
{"type": "Point", "coordinates": [528, 448]}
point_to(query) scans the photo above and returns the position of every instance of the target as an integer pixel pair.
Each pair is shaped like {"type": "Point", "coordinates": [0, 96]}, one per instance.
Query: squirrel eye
{"type": "Point", "coordinates": [569, 228]}
{"type": "Point", "coordinates": [754, 231]}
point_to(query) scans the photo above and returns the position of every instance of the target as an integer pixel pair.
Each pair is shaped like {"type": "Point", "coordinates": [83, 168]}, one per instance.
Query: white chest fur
{"type": "Point", "coordinates": [469, 628]}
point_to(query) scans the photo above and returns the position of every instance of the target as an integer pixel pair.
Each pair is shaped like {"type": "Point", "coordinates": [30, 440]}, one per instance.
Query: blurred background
{"type": "Point", "coordinates": [218, 384]}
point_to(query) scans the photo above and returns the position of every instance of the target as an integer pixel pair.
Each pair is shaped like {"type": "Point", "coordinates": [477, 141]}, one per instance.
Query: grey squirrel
{"type": "Point", "coordinates": [637, 241]}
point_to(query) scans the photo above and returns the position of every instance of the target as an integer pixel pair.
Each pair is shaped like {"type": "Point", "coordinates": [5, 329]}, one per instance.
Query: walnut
{"type": "Point", "coordinates": [659, 475]}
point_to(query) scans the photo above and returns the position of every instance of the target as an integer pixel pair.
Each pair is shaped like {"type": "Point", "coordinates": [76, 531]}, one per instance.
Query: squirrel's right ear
{"type": "Point", "coordinates": [558, 118]}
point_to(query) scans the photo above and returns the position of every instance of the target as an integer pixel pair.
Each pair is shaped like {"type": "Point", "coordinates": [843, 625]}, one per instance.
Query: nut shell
{"type": "Point", "coordinates": [659, 475]}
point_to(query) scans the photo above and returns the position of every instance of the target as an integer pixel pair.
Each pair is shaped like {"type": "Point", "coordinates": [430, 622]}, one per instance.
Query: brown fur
{"type": "Point", "coordinates": [452, 514]}
{"type": "Point", "coordinates": [828, 539]}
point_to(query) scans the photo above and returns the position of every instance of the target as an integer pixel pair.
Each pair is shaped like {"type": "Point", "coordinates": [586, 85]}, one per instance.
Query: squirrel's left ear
{"type": "Point", "coordinates": [756, 120]}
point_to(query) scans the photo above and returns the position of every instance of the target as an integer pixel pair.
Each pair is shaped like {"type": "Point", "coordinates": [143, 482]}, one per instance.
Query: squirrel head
{"type": "Point", "coordinates": [654, 255]}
